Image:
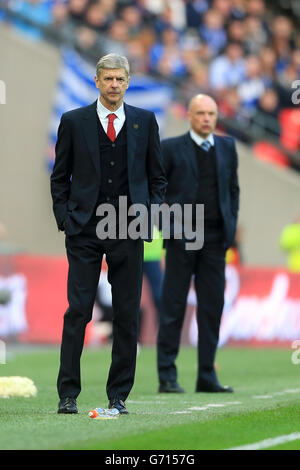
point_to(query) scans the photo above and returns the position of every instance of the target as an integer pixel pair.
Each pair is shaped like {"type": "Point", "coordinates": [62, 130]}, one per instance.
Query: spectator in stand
{"type": "Point", "coordinates": [96, 17]}
{"type": "Point", "coordinates": [194, 10]}
{"type": "Point", "coordinates": [238, 10]}
{"type": "Point", "coordinates": [35, 11]}
{"type": "Point", "coordinates": [60, 15]}
{"type": "Point", "coordinates": [197, 82]}
{"type": "Point", "coordinates": [110, 8]}
{"type": "Point", "coordinates": [212, 31]}
{"type": "Point", "coordinates": [163, 20]}
{"type": "Point", "coordinates": [224, 8]}
{"type": "Point", "coordinates": [296, 60]}
{"type": "Point", "coordinates": [228, 70]}
{"type": "Point", "coordinates": [252, 87]}
{"type": "Point", "coordinates": [166, 57]}
{"type": "Point", "coordinates": [282, 41]}
{"type": "Point", "coordinates": [77, 10]}
{"type": "Point", "coordinates": [268, 61]}
{"type": "Point", "coordinates": [137, 56]}
{"type": "Point", "coordinates": [256, 35]}
{"type": "Point", "coordinates": [230, 104]}
{"type": "Point", "coordinates": [265, 120]}
{"type": "Point", "coordinates": [115, 39]}
{"type": "Point", "coordinates": [236, 31]}
{"type": "Point", "coordinates": [133, 18]}
{"type": "Point", "coordinates": [256, 8]}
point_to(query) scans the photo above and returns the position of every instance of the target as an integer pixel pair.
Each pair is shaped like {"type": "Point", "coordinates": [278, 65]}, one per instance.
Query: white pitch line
{"type": "Point", "coordinates": [272, 442]}
{"type": "Point", "coordinates": [148, 402]}
{"type": "Point", "coordinates": [198, 408]}
{"type": "Point", "coordinates": [214, 405]}
{"type": "Point", "coordinates": [277, 394]}
{"type": "Point", "coordinates": [262, 397]}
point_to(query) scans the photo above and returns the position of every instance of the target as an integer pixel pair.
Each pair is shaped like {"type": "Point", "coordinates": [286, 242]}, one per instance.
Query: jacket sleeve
{"type": "Point", "coordinates": [234, 184]}
{"type": "Point", "coordinates": [155, 169]}
{"type": "Point", "coordinates": [62, 171]}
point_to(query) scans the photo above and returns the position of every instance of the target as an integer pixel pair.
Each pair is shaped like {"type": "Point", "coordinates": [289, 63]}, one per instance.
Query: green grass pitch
{"type": "Point", "coordinates": [265, 405]}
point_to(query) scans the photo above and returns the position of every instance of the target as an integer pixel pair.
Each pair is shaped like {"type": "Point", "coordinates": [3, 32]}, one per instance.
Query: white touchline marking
{"type": "Point", "coordinates": [180, 412]}
{"type": "Point", "coordinates": [272, 442]}
{"type": "Point", "coordinates": [145, 401]}
{"type": "Point", "coordinates": [214, 405]}
{"type": "Point", "coordinates": [289, 390]}
{"type": "Point", "coordinates": [262, 397]}
{"type": "Point", "coordinates": [198, 408]}
{"type": "Point", "coordinates": [284, 392]}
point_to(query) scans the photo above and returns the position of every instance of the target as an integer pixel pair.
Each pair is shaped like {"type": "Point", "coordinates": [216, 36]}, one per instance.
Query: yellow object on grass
{"type": "Point", "coordinates": [17, 387]}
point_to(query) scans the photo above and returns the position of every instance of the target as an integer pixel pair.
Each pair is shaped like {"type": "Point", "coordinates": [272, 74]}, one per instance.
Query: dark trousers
{"type": "Point", "coordinates": [208, 267]}
{"type": "Point", "coordinates": [125, 263]}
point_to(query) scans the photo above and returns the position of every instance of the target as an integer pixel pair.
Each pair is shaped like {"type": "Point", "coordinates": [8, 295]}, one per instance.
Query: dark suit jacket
{"type": "Point", "coordinates": [181, 168]}
{"type": "Point", "coordinates": [76, 176]}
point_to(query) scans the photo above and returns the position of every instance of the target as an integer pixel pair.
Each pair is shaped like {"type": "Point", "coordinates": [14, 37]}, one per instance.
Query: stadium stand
{"type": "Point", "coordinates": [246, 53]}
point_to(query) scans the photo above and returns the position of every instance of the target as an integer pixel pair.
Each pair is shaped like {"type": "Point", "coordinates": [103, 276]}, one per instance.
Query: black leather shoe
{"type": "Point", "coordinates": [120, 405]}
{"type": "Point", "coordinates": [207, 387]}
{"type": "Point", "coordinates": [170, 387]}
{"type": "Point", "coordinates": [67, 405]}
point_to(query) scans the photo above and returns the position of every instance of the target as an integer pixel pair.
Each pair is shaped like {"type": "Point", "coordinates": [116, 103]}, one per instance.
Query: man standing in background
{"type": "Point", "coordinates": [201, 168]}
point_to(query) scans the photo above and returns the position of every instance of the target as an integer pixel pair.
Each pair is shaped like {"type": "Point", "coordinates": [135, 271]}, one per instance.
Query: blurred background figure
{"type": "Point", "coordinates": [290, 243]}
{"type": "Point", "coordinates": [153, 267]}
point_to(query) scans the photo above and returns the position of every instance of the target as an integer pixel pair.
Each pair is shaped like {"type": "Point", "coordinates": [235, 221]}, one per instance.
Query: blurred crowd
{"type": "Point", "coordinates": [246, 53]}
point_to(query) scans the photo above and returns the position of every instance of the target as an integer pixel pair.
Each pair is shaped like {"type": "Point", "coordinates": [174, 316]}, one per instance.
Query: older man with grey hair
{"type": "Point", "coordinates": [104, 151]}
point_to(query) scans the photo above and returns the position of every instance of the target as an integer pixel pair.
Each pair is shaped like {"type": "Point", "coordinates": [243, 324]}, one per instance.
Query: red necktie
{"type": "Point", "coordinates": [111, 132]}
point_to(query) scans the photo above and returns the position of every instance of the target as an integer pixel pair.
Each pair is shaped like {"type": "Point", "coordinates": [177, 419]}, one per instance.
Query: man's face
{"type": "Point", "coordinates": [112, 84]}
{"type": "Point", "coordinates": [203, 116]}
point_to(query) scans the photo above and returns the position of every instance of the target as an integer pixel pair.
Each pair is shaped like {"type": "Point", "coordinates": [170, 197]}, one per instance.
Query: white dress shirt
{"type": "Point", "coordinates": [199, 140]}
{"type": "Point", "coordinates": [103, 113]}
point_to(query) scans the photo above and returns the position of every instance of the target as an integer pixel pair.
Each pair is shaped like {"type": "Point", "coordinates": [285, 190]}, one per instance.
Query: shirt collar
{"type": "Point", "coordinates": [103, 111]}
{"type": "Point", "coordinates": [199, 140]}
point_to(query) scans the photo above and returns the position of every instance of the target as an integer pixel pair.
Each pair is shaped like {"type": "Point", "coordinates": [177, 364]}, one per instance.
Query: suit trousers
{"type": "Point", "coordinates": [124, 258]}
{"type": "Point", "coordinates": [208, 268]}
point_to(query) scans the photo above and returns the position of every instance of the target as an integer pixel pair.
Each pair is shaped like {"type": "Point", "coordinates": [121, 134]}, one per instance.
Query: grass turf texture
{"type": "Point", "coordinates": [266, 404]}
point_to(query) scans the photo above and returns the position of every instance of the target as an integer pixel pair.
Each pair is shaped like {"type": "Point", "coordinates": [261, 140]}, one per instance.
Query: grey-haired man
{"type": "Point", "coordinates": [105, 150]}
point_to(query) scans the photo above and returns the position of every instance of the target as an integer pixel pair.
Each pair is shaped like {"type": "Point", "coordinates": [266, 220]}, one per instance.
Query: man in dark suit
{"type": "Point", "coordinates": [105, 150]}
{"type": "Point", "coordinates": [201, 168]}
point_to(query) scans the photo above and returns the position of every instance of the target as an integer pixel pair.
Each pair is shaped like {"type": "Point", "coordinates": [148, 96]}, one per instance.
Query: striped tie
{"type": "Point", "coordinates": [206, 145]}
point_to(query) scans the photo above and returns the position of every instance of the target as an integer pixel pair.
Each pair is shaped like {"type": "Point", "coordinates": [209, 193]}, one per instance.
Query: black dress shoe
{"type": "Point", "coordinates": [207, 387]}
{"type": "Point", "coordinates": [120, 405]}
{"type": "Point", "coordinates": [170, 387]}
{"type": "Point", "coordinates": [67, 405]}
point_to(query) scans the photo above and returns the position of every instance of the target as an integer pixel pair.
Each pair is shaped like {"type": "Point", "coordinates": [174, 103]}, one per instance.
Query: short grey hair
{"type": "Point", "coordinates": [112, 61]}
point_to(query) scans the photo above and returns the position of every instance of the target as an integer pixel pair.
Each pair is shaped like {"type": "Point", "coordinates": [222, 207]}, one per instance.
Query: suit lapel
{"type": "Point", "coordinates": [132, 129]}
{"type": "Point", "coordinates": [190, 153]}
{"type": "Point", "coordinates": [90, 128]}
{"type": "Point", "coordinates": [219, 156]}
